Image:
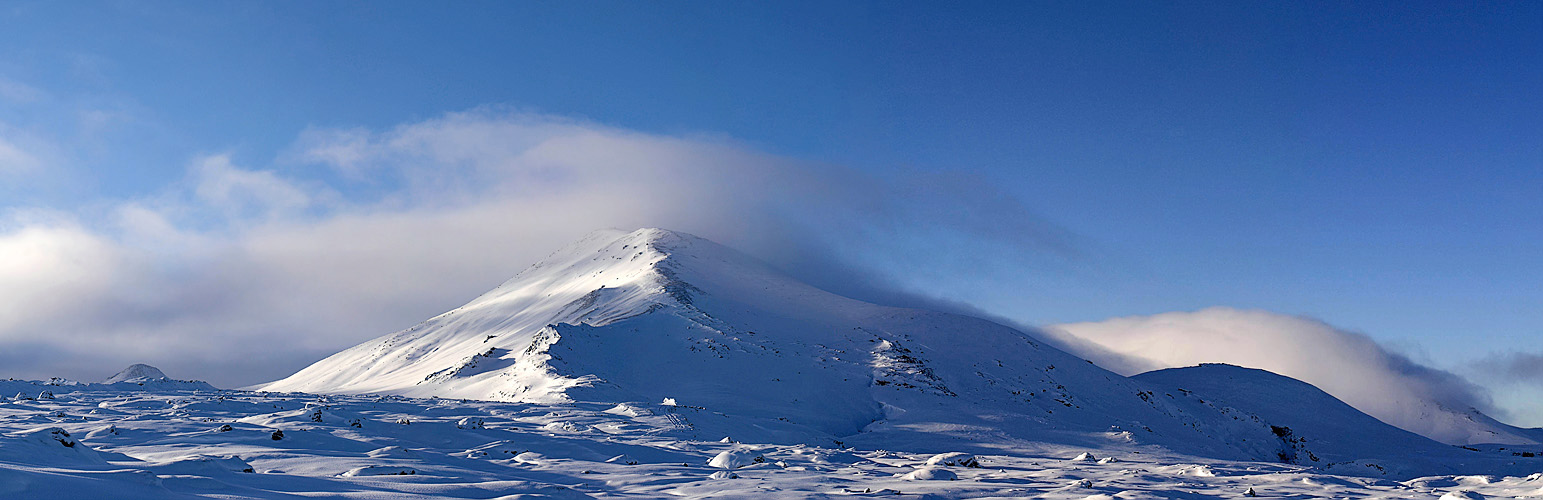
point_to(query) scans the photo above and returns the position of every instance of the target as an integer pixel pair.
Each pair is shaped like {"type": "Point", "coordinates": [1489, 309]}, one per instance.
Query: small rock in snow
{"type": "Point", "coordinates": [1085, 457]}
{"type": "Point", "coordinates": [723, 474]}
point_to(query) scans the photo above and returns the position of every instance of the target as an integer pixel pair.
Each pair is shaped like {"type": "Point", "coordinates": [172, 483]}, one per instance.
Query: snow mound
{"type": "Point", "coordinates": [47, 445]}
{"type": "Point", "coordinates": [931, 474]}
{"type": "Point", "coordinates": [734, 459]}
{"type": "Point", "coordinates": [379, 470]}
{"type": "Point", "coordinates": [202, 465]}
{"type": "Point", "coordinates": [954, 459]}
{"type": "Point", "coordinates": [391, 452]}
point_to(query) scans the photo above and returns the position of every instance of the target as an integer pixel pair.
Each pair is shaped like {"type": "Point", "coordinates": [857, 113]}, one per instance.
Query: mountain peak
{"type": "Point", "coordinates": [137, 371]}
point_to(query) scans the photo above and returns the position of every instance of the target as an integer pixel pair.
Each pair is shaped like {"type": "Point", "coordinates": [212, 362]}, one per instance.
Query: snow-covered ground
{"type": "Point", "coordinates": [221, 444]}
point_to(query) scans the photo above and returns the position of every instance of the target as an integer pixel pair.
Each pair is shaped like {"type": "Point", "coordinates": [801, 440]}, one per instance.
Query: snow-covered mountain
{"type": "Point", "coordinates": [137, 371]}
{"type": "Point", "coordinates": [655, 315]}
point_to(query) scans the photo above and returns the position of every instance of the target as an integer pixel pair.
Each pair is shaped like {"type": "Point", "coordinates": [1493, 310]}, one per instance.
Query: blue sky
{"type": "Point", "coordinates": [1378, 166]}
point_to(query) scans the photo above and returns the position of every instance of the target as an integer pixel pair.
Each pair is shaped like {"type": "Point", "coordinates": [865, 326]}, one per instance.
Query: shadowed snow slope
{"type": "Point", "coordinates": [655, 314]}
{"type": "Point", "coordinates": [1320, 429]}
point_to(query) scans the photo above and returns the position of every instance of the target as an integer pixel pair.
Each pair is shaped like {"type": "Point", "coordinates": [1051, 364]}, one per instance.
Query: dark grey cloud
{"type": "Point", "coordinates": [1520, 367]}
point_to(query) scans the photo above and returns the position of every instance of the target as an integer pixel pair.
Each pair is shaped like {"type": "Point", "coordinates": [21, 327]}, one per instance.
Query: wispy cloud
{"type": "Point", "coordinates": [1516, 367]}
{"type": "Point", "coordinates": [285, 269]}
{"type": "Point", "coordinates": [22, 153]}
{"type": "Point", "coordinates": [15, 92]}
{"type": "Point", "coordinates": [245, 194]}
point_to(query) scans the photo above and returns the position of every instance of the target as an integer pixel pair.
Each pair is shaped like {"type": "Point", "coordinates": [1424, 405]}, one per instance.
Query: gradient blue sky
{"type": "Point", "coordinates": [1377, 165]}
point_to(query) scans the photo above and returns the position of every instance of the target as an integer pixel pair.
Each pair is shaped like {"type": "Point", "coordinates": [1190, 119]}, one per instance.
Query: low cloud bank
{"type": "Point", "coordinates": [240, 274]}
{"type": "Point", "coordinates": [1348, 365]}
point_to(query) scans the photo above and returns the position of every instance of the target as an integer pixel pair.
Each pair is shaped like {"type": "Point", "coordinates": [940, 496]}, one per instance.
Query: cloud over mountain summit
{"type": "Point", "coordinates": [408, 221]}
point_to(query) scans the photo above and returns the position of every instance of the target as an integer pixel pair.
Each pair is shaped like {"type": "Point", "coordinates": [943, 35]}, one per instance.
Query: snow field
{"type": "Point", "coordinates": [171, 444]}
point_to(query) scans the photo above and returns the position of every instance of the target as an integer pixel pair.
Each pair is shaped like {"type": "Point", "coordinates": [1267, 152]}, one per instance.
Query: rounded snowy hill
{"type": "Point", "coordinates": [137, 371]}
{"type": "Point", "coordinates": [1323, 430]}
{"type": "Point", "coordinates": [656, 316]}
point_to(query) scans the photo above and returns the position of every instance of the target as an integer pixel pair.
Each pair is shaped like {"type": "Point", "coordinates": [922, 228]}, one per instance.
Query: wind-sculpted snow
{"type": "Point", "coordinates": [250, 445]}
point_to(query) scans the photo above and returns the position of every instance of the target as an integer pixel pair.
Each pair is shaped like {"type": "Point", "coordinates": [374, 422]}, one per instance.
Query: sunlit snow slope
{"type": "Point", "coordinates": [655, 314]}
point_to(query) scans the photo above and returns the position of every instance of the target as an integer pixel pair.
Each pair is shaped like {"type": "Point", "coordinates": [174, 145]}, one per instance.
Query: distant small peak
{"type": "Point", "coordinates": [136, 371]}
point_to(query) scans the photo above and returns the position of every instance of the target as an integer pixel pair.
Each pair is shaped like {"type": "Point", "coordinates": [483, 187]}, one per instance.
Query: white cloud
{"type": "Point", "coordinates": [47, 265]}
{"type": "Point", "coordinates": [245, 193]}
{"type": "Point", "coordinates": [241, 275]}
{"type": "Point", "coordinates": [1348, 365]}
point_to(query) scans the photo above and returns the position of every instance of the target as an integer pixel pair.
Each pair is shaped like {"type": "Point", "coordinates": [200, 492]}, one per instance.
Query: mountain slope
{"type": "Point", "coordinates": [1323, 430]}
{"type": "Point", "coordinates": [654, 315]}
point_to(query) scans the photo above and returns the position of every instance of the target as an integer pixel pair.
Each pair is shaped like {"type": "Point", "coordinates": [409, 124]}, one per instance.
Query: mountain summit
{"type": "Point", "coordinates": [655, 315]}
{"type": "Point", "coordinates": [137, 371]}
